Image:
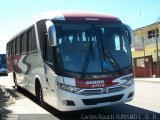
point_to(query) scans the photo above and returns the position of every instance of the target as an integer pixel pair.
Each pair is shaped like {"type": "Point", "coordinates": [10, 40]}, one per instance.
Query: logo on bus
{"type": "Point", "coordinates": [99, 76]}
{"type": "Point", "coordinates": [93, 82]}
{"type": "Point", "coordinates": [104, 90]}
{"type": "Point", "coordinates": [96, 83]}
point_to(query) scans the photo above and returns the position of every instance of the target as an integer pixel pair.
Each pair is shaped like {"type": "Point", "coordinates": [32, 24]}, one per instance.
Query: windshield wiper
{"type": "Point", "coordinates": [87, 58]}
{"type": "Point", "coordinates": [86, 62]}
{"type": "Point", "coordinates": [106, 54]}
{"type": "Point", "coordinates": [112, 60]}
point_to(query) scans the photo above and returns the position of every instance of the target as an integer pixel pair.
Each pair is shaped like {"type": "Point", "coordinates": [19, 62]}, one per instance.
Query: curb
{"type": "Point", "coordinates": [147, 80]}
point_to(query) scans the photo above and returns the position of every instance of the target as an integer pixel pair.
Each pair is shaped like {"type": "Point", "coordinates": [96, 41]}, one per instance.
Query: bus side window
{"type": "Point", "coordinates": [10, 47]}
{"type": "Point", "coordinates": [8, 50]}
{"type": "Point", "coordinates": [31, 40]}
{"type": "Point", "coordinates": [29, 37]}
{"type": "Point", "coordinates": [48, 52]}
{"type": "Point", "coordinates": [24, 42]}
{"type": "Point", "coordinates": [13, 47]}
{"type": "Point", "coordinates": [18, 42]}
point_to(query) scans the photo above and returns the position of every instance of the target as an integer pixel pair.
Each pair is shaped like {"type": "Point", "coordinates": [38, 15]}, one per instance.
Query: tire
{"type": "Point", "coordinates": [40, 95]}
{"type": "Point", "coordinates": [15, 82]}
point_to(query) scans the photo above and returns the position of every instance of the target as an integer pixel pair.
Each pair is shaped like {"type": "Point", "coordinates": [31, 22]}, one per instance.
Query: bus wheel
{"type": "Point", "coordinates": [15, 82]}
{"type": "Point", "coordinates": [40, 95]}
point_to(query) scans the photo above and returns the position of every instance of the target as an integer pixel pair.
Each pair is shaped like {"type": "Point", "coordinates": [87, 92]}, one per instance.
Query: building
{"type": "Point", "coordinates": [144, 51]}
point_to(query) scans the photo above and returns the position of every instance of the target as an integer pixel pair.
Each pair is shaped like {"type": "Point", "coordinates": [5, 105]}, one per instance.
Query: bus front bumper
{"type": "Point", "coordinates": [68, 101]}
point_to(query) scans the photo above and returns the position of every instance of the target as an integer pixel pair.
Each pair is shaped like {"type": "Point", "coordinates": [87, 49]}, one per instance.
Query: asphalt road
{"type": "Point", "coordinates": [145, 106]}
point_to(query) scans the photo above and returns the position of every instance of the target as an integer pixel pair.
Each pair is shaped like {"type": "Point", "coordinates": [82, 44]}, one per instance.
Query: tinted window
{"type": "Point", "coordinates": [13, 47]}
{"type": "Point", "coordinates": [34, 44]}
{"type": "Point", "coordinates": [18, 42]}
{"type": "Point", "coordinates": [31, 40]}
{"type": "Point", "coordinates": [24, 42]}
{"type": "Point", "coordinates": [8, 50]}
{"type": "Point", "coordinates": [82, 46]}
{"type": "Point", "coordinates": [48, 52]}
{"type": "Point", "coordinates": [41, 28]}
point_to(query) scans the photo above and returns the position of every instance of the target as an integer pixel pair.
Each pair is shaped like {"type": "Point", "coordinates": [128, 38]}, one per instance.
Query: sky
{"type": "Point", "coordinates": [14, 14]}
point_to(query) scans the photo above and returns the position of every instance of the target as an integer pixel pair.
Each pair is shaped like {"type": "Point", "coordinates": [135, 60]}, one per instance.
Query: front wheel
{"type": "Point", "coordinates": [40, 96]}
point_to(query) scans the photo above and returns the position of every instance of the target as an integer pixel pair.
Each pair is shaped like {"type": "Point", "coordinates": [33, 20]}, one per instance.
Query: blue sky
{"type": "Point", "coordinates": [15, 13]}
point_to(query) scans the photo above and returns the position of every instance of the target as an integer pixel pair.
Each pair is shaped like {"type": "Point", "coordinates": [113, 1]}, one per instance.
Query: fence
{"type": "Point", "coordinates": [147, 65]}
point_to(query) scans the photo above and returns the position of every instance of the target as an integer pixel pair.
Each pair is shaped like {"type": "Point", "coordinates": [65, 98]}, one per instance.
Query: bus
{"type": "Point", "coordinates": [73, 60]}
{"type": "Point", "coordinates": [3, 64]}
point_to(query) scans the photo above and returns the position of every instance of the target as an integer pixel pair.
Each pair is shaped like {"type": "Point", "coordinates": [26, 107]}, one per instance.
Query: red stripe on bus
{"type": "Point", "coordinates": [107, 82]}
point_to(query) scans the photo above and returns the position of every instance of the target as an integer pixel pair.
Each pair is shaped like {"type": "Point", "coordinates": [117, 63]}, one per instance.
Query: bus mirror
{"type": "Point", "coordinates": [129, 33]}
{"type": "Point", "coordinates": [51, 33]}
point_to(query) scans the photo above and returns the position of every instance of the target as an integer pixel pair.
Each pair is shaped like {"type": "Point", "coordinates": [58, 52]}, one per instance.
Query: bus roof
{"type": "Point", "coordinates": [73, 15]}
{"type": "Point", "coordinates": [67, 15]}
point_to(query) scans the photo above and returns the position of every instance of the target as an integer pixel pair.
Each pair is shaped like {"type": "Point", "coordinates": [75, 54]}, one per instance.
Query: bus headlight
{"type": "Point", "coordinates": [68, 88]}
{"type": "Point", "coordinates": [129, 82]}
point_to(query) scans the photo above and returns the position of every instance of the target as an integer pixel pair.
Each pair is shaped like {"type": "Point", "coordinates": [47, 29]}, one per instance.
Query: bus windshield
{"type": "Point", "coordinates": [93, 48]}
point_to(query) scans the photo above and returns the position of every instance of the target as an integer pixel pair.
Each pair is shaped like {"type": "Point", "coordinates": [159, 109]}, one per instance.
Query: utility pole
{"type": "Point", "coordinates": [156, 35]}
{"type": "Point", "coordinates": [144, 55]}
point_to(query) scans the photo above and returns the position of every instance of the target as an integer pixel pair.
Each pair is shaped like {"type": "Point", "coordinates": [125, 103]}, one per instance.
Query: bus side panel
{"type": "Point", "coordinates": [18, 70]}
{"type": "Point", "coordinates": [35, 66]}
{"type": "Point", "coordinates": [32, 65]}
{"type": "Point", "coordinates": [50, 87]}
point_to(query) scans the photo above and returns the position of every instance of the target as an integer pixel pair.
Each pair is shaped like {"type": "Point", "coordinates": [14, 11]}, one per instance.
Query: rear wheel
{"type": "Point", "coordinates": [15, 82]}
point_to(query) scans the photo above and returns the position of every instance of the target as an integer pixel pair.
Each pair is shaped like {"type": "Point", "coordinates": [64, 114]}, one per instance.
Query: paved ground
{"type": "Point", "coordinates": [16, 103]}
{"type": "Point", "coordinates": [153, 80]}
{"type": "Point", "coordinates": [6, 99]}
{"type": "Point", "coordinates": [147, 96]}
{"type": "Point", "coordinates": [146, 105]}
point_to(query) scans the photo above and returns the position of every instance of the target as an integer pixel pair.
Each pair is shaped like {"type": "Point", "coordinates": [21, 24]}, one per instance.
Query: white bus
{"type": "Point", "coordinates": [73, 60]}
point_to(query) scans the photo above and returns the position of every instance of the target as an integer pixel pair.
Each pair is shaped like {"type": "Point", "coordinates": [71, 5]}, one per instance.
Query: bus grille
{"type": "Point", "coordinates": [96, 101]}
{"type": "Point", "coordinates": [115, 89]}
{"type": "Point", "coordinates": [99, 91]}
